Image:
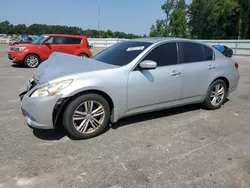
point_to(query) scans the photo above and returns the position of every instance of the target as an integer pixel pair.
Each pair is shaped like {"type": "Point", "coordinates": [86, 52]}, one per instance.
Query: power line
{"type": "Point", "coordinates": [99, 22]}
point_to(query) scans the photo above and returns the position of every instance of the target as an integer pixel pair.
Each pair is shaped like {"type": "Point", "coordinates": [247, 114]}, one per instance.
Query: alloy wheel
{"type": "Point", "coordinates": [32, 61]}
{"type": "Point", "coordinates": [83, 56]}
{"type": "Point", "coordinates": [88, 116]}
{"type": "Point", "coordinates": [217, 94]}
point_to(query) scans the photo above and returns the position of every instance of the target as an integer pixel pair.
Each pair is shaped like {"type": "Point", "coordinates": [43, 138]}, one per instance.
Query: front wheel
{"type": "Point", "coordinates": [31, 61]}
{"type": "Point", "coordinates": [86, 116]}
{"type": "Point", "coordinates": [216, 95]}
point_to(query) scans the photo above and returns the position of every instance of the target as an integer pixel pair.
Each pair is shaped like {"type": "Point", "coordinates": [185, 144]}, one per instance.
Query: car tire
{"type": "Point", "coordinates": [83, 55]}
{"type": "Point", "coordinates": [83, 109]}
{"type": "Point", "coordinates": [31, 61]}
{"type": "Point", "coordinates": [216, 95]}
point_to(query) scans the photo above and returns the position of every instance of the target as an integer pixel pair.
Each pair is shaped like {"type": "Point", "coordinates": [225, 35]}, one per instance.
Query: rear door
{"type": "Point", "coordinates": [198, 66]}
{"type": "Point", "coordinates": [73, 45]}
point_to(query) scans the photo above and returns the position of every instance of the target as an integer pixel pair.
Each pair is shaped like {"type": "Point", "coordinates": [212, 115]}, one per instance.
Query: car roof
{"type": "Point", "coordinates": [162, 39]}
{"type": "Point", "coordinates": [64, 35]}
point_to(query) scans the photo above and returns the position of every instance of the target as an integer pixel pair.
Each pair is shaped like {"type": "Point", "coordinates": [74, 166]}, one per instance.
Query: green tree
{"type": "Point", "coordinates": [108, 34]}
{"type": "Point", "coordinates": [20, 29]}
{"type": "Point", "coordinates": [178, 23]}
{"type": "Point", "coordinates": [167, 8]}
{"type": "Point", "coordinates": [211, 19]}
{"type": "Point", "coordinates": [38, 29]}
{"type": "Point", "coordinates": [4, 27]}
{"type": "Point", "coordinates": [158, 30]}
{"type": "Point", "coordinates": [175, 22]}
{"type": "Point", "coordinates": [181, 4]}
{"type": "Point", "coordinates": [178, 20]}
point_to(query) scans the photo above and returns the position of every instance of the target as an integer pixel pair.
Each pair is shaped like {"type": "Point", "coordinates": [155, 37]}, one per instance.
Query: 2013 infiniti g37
{"type": "Point", "coordinates": [128, 78]}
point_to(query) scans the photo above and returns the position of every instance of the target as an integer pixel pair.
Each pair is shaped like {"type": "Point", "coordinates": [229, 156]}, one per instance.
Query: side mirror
{"type": "Point", "coordinates": [148, 64]}
{"type": "Point", "coordinates": [47, 43]}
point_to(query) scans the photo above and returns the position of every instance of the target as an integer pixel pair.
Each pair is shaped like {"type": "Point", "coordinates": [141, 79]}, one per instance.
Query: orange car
{"type": "Point", "coordinates": [41, 48]}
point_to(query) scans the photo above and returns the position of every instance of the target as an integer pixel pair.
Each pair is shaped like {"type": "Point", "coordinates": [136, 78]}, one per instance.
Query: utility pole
{"type": "Point", "coordinates": [99, 10]}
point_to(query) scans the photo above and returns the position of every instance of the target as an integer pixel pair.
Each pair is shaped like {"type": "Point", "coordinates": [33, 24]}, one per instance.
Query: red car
{"type": "Point", "coordinates": [41, 48]}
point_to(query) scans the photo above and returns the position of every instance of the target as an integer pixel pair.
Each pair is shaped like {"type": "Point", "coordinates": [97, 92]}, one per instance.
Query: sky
{"type": "Point", "coordinates": [130, 16]}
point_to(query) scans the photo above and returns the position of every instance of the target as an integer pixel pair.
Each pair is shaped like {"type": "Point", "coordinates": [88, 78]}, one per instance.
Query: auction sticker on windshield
{"type": "Point", "coordinates": [135, 48]}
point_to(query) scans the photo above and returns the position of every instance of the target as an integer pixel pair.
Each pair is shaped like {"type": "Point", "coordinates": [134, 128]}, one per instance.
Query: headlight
{"type": "Point", "coordinates": [52, 89]}
{"type": "Point", "coordinates": [19, 49]}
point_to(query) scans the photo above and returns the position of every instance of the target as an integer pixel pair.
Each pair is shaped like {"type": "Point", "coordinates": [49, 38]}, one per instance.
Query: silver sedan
{"type": "Point", "coordinates": [128, 78]}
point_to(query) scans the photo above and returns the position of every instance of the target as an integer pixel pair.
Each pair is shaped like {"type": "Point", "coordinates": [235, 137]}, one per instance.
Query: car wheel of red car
{"type": "Point", "coordinates": [31, 61]}
{"type": "Point", "coordinates": [83, 55]}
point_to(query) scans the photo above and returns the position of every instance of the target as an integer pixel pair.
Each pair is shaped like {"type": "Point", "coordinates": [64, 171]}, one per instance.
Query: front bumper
{"type": "Point", "coordinates": [38, 111]}
{"type": "Point", "coordinates": [15, 56]}
{"type": "Point", "coordinates": [9, 56]}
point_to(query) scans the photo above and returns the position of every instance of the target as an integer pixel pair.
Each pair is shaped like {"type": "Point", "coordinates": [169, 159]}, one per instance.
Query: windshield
{"type": "Point", "coordinates": [40, 40]}
{"type": "Point", "coordinates": [122, 53]}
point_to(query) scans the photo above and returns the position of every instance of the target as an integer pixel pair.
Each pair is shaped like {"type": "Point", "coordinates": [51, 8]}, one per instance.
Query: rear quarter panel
{"type": "Point", "coordinates": [84, 50]}
{"type": "Point", "coordinates": [225, 68]}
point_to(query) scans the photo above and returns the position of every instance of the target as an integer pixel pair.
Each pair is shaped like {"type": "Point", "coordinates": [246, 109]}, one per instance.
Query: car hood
{"type": "Point", "coordinates": [61, 64]}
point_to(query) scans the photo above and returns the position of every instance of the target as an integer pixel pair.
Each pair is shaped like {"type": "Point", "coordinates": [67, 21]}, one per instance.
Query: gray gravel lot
{"type": "Point", "coordinates": [182, 147]}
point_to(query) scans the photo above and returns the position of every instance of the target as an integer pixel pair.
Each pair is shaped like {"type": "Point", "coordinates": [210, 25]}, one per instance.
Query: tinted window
{"type": "Point", "coordinates": [122, 53]}
{"type": "Point", "coordinates": [73, 40]}
{"type": "Point", "coordinates": [57, 40]}
{"type": "Point", "coordinates": [208, 53]}
{"type": "Point", "coordinates": [191, 52]}
{"type": "Point", "coordinates": [165, 54]}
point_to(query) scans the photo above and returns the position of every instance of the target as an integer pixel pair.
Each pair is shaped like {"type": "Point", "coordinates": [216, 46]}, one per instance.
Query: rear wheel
{"type": "Point", "coordinates": [83, 55]}
{"type": "Point", "coordinates": [216, 95]}
{"type": "Point", "coordinates": [31, 61]}
{"type": "Point", "coordinates": [86, 116]}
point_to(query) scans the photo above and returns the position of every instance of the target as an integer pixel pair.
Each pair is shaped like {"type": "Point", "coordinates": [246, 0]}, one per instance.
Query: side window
{"type": "Point", "coordinates": [71, 40]}
{"type": "Point", "coordinates": [57, 40]}
{"type": "Point", "coordinates": [50, 40]}
{"type": "Point", "coordinates": [191, 52]}
{"type": "Point", "coordinates": [165, 54]}
{"type": "Point", "coordinates": [208, 53]}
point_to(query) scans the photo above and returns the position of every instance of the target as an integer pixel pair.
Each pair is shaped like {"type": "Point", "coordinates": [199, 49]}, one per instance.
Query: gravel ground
{"type": "Point", "coordinates": [183, 147]}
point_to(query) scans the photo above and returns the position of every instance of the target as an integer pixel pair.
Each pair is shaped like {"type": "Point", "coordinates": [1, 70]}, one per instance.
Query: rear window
{"type": "Point", "coordinates": [71, 40]}
{"type": "Point", "coordinates": [122, 53]}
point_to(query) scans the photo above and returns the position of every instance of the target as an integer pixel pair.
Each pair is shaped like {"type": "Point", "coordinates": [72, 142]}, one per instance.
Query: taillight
{"type": "Point", "coordinates": [236, 65]}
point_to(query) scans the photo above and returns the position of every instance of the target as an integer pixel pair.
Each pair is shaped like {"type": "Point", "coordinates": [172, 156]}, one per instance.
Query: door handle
{"type": "Point", "coordinates": [175, 73]}
{"type": "Point", "coordinates": [210, 67]}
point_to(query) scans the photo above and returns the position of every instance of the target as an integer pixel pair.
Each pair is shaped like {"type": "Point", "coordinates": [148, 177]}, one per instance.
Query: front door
{"type": "Point", "coordinates": [56, 44]}
{"type": "Point", "coordinates": [156, 88]}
